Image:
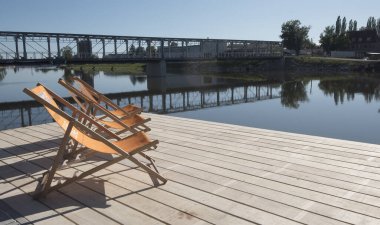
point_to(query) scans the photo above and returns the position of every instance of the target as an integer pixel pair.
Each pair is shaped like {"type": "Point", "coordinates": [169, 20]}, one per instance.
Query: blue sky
{"type": "Point", "coordinates": [230, 19]}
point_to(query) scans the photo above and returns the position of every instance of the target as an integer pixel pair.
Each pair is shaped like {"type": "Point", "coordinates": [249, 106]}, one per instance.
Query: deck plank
{"type": "Point", "coordinates": [218, 174]}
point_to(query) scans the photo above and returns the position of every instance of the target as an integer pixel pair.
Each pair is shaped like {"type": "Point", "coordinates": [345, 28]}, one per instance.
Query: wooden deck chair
{"type": "Point", "coordinates": [80, 142]}
{"type": "Point", "coordinates": [90, 106]}
{"type": "Point", "coordinates": [93, 94]}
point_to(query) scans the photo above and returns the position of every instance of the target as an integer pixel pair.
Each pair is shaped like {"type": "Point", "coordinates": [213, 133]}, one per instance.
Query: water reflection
{"type": "Point", "coordinates": [293, 93]}
{"type": "Point", "coordinates": [168, 100]}
{"type": "Point", "coordinates": [137, 79]}
{"type": "Point", "coordinates": [3, 73]}
{"type": "Point", "coordinates": [46, 69]}
{"type": "Point", "coordinates": [180, 94]}
{"type": "Point", "coordinates": [347, 88]}
{"type": "Point", "coordinates": [67, 76]}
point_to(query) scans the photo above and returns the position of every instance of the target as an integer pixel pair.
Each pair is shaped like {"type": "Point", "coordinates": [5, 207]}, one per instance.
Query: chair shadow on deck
{"type": "Point", "coordinates": [84, 193]}
{"type": "Point", "coordinates": [32, 158]}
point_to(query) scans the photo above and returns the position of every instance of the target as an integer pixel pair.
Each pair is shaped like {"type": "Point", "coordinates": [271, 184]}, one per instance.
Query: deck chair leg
{"type": "Point", "coordinates": [45, 183]}
{"type": "Point", "coordinates": [74, 150]}
{"type": "Point", "coordinates": [148, 170]}
{"type": "Point", "coordinates": [150, 160]}
{"type": "Point", "coordinates": [78, 177]}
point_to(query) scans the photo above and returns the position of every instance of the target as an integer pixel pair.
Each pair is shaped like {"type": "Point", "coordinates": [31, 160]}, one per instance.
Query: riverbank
{"type": "Point", "coordinates": [114, 69]}
{"type": "Point", "coordinates": [327, 64]}
{"type": "Point", "coordinates": [300, 64]}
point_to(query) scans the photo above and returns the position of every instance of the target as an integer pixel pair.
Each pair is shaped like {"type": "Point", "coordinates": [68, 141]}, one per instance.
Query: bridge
{"type": "Point", "coordinates": [35, 47]}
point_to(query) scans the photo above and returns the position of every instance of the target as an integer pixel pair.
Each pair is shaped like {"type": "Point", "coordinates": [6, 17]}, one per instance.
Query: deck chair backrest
{"type": "Point", "coordinates": [87, 90]}
{"type": "Point", "coordinates": [93, 94]}
{"type": "Point", "coordinates": [79, 132]}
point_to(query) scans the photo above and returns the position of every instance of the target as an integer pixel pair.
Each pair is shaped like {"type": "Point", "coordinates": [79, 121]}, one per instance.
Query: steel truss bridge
{"type": "Point", "coordinates": [27, 113]}
{"type": "Point", "coordinates": [50, 47]}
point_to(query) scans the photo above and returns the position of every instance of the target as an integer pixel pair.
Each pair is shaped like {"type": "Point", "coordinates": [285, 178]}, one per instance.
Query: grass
{"type": "Point", "coordinates": [120, 68]}
{"type": "Point", "coordinates": [249, 77]}
{"type": "Point", "coordinates": [327, 61]}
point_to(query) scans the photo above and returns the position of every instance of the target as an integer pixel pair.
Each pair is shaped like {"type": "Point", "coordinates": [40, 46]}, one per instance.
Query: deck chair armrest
{"type": "Point", "coordinates": [108, 102]}
{"type": "Point", "coordinates": [114, 106]}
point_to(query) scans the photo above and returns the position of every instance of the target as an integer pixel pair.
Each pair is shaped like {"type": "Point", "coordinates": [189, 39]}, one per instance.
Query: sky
{"type": "Point", "coordinates": [226, 19]}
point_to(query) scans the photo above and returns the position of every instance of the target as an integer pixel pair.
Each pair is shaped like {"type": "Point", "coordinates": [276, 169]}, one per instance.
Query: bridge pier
{"type": "Point", "coordinates": [157, 84]}
{"type": "Point", "coordinates": [156, 69]}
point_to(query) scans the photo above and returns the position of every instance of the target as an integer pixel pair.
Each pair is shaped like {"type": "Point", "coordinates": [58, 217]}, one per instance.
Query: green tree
{"type": "Point", "coordinates": [140, 51]}
{"type": "Point", "coordinates": [173, 44]}
{"type": "Point", "coordinates": [292, 93]}
{"type": "Point", "coordinates": [378, 26]}
{"type": "Point", "coordinates": [309, 44]}
{"type": "Point", "coordinates": [335, 38]}
{"type": "Point", "coordinates": [371, 23]}
{"type": "Point", "coordinates": [132, 50]}
{"type": "Point", "coordinates": [294, 35]}
{"type": "Point", "coordinates": [338, 26]}
{"type": "Point", "coordinates": [351, 25]}
{"type": "Point", "coordinates": [327, 39]}
{"type": "Point", "coordinates": [67, 53]}
{"type": "Point", "coordinates": [355, 25]}
{"type": "Point", "coordinates": [152, 50]}
{"type": "Point", "coordinates": [344, 26]}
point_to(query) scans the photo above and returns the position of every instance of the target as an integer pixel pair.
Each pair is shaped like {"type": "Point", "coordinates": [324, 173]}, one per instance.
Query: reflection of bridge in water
{"type": "Point", "coordinates": [157, 99]}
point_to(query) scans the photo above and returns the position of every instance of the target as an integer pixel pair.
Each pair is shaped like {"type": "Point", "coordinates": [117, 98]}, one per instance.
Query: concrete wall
{"type": "Point", "coordinates": [343, 54]}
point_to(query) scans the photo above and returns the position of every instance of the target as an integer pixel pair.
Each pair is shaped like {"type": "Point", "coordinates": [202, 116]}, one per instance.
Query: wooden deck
{"type": "Point", "coordinates": [218, 174]}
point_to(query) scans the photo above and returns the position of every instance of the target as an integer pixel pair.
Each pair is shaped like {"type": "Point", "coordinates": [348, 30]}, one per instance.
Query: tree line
{"type": "Point", "coordinates": [334, 37]}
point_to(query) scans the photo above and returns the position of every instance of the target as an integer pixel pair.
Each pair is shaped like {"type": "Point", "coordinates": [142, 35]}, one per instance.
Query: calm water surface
{"type": "Point", "coordinates": [344, 108]}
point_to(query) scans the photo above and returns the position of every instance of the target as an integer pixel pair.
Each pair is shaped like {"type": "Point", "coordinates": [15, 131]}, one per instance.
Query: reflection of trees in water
{"type": "Point", "coordinates": [45, 70]}
{"type": "Point", "coordinates": [292, 93]}
{"type": "Point", "coordinates": [137, 79]}
{"type": "Point", "coordinates": [347, 88]}
{"type": "Point", "coordinates": [68, 76]}
{"type": "Point", "coordinates": [88, 77]}
{"type": "Point", "coordinates": [3, 73]}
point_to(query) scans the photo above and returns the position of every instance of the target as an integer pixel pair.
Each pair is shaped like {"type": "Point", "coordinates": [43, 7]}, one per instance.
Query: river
{"type": "Point", "coordinates": [344, 107]}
